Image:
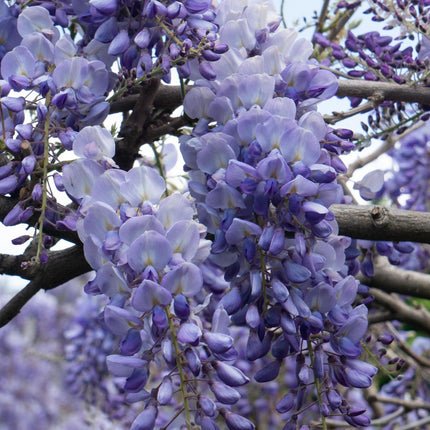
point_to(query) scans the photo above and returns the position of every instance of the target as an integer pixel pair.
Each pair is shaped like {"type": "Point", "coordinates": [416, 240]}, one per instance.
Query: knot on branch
{"type": "Point", "coordinates": [379, 215]}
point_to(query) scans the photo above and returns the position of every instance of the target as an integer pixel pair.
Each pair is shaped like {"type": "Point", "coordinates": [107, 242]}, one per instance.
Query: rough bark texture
{"type": "Point", "coordinates": [381, 223]}
{"type": "Point", "coordinates": [383, 91]}
{"type": "Point", "coordinates": [395, 280]}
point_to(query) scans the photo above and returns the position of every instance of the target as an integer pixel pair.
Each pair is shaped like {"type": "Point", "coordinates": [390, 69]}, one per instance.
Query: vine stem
{"type": "Point", "coordinates": [180, 367]}
{"type": "Point", "coordinates": [45, 178]}
{"type": "Point", "coordinates": [376, 361]}
{"type": "Point", "coordinates": [284, 23]}
{"type": "Point", "coordinates": [2, 121]}
{"type": "Point", "coordinates": [159, 164]}
{"type": "Point", "coordinates": [317, 383]}
{"type": "Point", "coordinates": [263, 280]}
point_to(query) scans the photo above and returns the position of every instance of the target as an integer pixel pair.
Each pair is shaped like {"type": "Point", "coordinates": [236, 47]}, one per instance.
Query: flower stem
{"type": "Point", "coordinates": [179, 363]}
{"type": "Point", "coordinates": [44, 179]}
{"type": "Point", "coordinates": [317, 383]}
{"type": "Point", "coordinates": [263, 280]}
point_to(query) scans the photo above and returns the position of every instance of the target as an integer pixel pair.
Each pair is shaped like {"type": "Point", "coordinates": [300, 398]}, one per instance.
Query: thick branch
{"type": "Point", "coordinates": [381, 223]}
{"type": "Point", "coordinates": [168, 98]}
{"type": "Point", "coordinates": [383, 91]}
{"type": "Point", "coordinates": [132, 129]}
{"type": "Point", "coordinates": [395, 280]}
{"type": "Point", "coordinates": [13, 265]}
{"type": "Point", "coordinates": [62, 267]}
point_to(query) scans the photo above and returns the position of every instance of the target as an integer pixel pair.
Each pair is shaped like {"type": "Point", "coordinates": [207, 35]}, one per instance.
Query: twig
{"type": "Point", "coordinates": [405, 347]}
{"type": "Point", "coordinates": [386, 146]}
{"type": "Point", "coordinates": [416, 424]}
{"type": "Point", "coordinates": [322, 17]}
{"type": "Point", "coordinates": [407, 404]}
{"type": "Point", "coordinates": [378, 317]}
{"type": "Point", "coordinates": [339, 116]}
{"type": "Point", "coordinates": [418, 317]}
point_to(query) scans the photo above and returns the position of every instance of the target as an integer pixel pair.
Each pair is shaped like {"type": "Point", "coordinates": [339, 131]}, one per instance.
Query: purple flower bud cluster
{"type": "Point", "coordinates": [44, 65]}
{"type": "Point", "coordinates": [376, 56]}
{"type": "Point", "coordinates": [411, 16]}
{"type": "Point", "coordinates": [48, 64]}
{"type": "Point", "coordinates": [151, 36]}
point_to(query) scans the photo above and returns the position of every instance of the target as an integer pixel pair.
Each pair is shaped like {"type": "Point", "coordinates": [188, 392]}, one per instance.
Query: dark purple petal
{"type": "Point", "coordinates": [218, 342]}
{"type": "Point", "coordinates": [131, 343]}
{"type": "Point", "coordinates": [224, 393]}
{"type": "Point", "coordinates": [230, 375]}
{"type": "Point", "coordinates": [269, 372]}
{"type": "Point", "coordinates": [237, 422]}
{"type": "Point", "coordinates": [136, 381]}
{"type": "Point", "coordinates": [145, 420]}
{"type": "Point", "coordinates": [207, 71]}
{"type": "Point", "coordinates": [296, 272]}
{"type": "Point", "coordinates": [286, 403]}
{"type": "Point", "coordinates": [189, 333]}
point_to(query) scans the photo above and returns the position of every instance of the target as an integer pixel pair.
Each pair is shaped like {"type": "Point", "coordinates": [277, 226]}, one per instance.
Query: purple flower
{"type": "Point", "coordinates": [149, 294]}
{"type": "Point", "coordinates": [230, 375]}
{"type": "Point", "coordinates": [146, 419]}
{"type": "Point", "coordinates": [224, 393]}
{"type": "Point", "coordinates": [237, 422]}
{"type": "Point", "coordinates": [149, 249]}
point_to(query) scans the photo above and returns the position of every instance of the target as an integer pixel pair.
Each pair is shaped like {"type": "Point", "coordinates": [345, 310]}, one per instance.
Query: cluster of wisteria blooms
{"type": "Point", "coordinates": [67, 81]}
{"type": "Point", "coordinates": [233, 304]}
{"type": "Point", "coordinates": [407, 185]}
{"type": "Point", "coordinates": [33, 369]}
{"type": "Point", "coordinates": [262, 180]}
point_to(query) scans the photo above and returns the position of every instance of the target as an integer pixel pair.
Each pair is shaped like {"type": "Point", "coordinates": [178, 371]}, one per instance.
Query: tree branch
{"type": "Point", "coordinates": [339, 116]}
{"type": "Point", "coordinates": [383, 91]}
{"type": "Point", "coordinates": [133, 127]}
{"type": "Point", "coordinates": [13, 265]}
{"type": "Point", "coordinates": [418, 317]}
{"type": "Point", "coordinates": [395, 280]}
{"type": "Point", "coordinates": [381, 223]}
{"type": "Point", "coordinates": [386, 146]}
{"type": "Point", "coordinates": [403, 346]}
{"type": "Point", "coordinates": [407, 404]}
{"type": "Point", "coordinates": [62, 266]}
{"type": "Point", "coordinates": [168, 98]}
